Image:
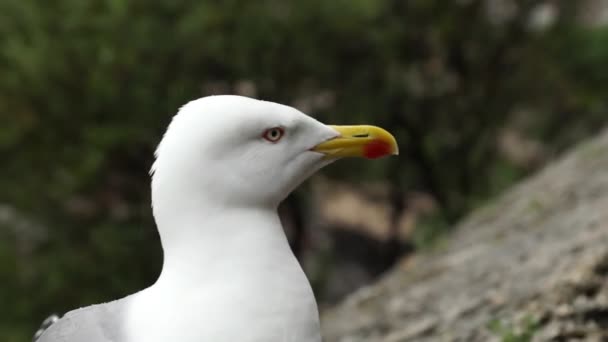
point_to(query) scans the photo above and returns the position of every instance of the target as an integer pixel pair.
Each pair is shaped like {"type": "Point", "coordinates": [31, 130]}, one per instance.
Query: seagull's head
{"type": "Point", "coordinates": [239, 151]}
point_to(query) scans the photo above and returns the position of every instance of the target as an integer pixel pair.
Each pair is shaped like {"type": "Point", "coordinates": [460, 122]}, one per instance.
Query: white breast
{"type": "Point", "coordinates": [263, 297]}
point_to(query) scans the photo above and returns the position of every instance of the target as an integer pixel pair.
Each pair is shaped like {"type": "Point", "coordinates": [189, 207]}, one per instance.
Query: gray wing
{"type": "Point", "coordinates": [96, 323]}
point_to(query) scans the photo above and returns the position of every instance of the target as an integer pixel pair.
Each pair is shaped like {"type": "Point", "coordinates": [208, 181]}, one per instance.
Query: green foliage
{"type": "Point", "coordinates": [509, 333]}
{"type": "Point", "coordinates": [428, 230]}
{"type": "Point", "coordinates": [87, 88]}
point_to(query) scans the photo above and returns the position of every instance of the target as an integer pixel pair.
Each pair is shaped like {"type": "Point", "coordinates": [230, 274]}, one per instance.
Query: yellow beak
{"type": "Point", "coordinates": [359, 141]}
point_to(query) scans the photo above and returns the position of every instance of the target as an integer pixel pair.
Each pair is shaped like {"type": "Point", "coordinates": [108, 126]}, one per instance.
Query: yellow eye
{"type": "Point", "coordinates": [274, 134]}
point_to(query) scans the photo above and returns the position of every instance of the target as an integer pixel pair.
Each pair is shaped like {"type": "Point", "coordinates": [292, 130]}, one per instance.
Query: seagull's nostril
{"type": "Point", "coordinates": [363, 135]}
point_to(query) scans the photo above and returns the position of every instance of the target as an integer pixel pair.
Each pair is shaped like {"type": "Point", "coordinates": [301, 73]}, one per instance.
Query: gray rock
{"type": "Point", "coordinates": [533, 264]}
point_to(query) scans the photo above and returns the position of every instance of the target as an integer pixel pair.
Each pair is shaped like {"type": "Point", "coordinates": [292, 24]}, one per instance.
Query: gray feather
{"type": "Point", "coordinates": [45, 325]}
{"type": "Point", "coordinates": [96, 323]}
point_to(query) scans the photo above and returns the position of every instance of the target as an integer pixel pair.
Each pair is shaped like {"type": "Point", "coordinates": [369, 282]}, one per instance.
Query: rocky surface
{"type": "Point", "coordinates": [531, 266]}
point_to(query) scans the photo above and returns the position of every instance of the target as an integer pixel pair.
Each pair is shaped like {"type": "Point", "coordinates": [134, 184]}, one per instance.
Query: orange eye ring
{"type": "Point", "coordinates": [274, 134]}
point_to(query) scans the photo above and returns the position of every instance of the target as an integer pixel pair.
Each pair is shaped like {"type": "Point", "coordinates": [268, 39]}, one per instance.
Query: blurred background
{"type": "Point", "coordinates": [479, 93]}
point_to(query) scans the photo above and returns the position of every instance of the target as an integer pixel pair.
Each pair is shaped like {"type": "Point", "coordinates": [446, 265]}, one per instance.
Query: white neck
{"type": "Point", "coordinates": [219, 241]}
{"type": "Point", "coordinates": [225, 269]}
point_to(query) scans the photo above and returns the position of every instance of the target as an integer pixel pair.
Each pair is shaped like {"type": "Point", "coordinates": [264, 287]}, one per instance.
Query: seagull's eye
{"type": "Point", "coordinates": [274, 134]}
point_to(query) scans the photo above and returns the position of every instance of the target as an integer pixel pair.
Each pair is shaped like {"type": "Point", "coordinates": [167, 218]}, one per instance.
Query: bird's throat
{"type": "Point", "coordinates": [220, 242]}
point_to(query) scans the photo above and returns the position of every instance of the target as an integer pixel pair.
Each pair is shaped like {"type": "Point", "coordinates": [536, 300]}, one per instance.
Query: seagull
{"type": "Point", "coordinates": [221, 170]}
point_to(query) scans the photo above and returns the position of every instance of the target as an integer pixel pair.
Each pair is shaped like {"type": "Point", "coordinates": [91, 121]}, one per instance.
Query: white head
{"type": "Point", "coordinates": [238, 151]}
{"type": "Point", "coordinates": [234, 151]}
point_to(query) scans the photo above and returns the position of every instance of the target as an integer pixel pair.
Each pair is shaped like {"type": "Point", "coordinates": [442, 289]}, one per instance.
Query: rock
{"type": "Point", "coordinates": [532, 265]}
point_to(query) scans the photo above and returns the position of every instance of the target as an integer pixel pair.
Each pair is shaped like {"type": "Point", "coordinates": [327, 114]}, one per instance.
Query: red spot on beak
{"type": "Point", "coordinates": [376, 149]}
